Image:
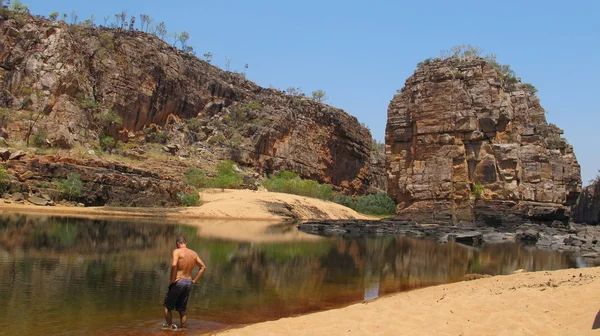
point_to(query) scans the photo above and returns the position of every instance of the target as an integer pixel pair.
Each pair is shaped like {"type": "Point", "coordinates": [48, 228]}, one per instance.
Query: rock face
{"type": "Point", "coordinates": [104, 183]}
{"type": "Point", "coordinates": [587, 209]}
{"type": "Point", "coordinates": [63, 79]}
{"type": "Point", "coordinates": [466, 143]}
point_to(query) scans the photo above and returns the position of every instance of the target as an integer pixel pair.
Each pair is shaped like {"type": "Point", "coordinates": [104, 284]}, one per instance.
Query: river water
{"type": "Point", "coordinates": [73, 276]}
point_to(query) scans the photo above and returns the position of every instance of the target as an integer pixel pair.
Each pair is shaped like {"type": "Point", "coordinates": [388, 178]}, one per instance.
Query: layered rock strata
{"type": "Point", "coordinates": [466, 143]}
{"type": "Point", "coordinates": [587, 208]}
{"type": "Point", "coordinates": [62, 79]}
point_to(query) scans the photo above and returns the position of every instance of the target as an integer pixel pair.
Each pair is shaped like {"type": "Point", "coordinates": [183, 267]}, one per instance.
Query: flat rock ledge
{"type": "Point", "coordinates": [580, 239]}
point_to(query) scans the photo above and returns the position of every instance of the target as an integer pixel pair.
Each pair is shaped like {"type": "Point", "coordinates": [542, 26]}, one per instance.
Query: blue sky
{"type": "Point", "coordinates": [361, 52]}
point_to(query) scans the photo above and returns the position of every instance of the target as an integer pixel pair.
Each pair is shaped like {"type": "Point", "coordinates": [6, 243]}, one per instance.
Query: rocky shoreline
{"type": "Point", "coordinates": [576, 238]}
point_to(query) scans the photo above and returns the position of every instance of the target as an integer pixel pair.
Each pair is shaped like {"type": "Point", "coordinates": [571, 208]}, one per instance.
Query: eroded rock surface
{"type": "Point", "coordinates": [587, 209]}
{"type": "Point", "coordinates": [465, 143]}
{"type": "Point", "coordinates": [66, 78]}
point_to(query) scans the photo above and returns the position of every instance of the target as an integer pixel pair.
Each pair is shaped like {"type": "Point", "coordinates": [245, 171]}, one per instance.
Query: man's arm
{"type": "Point", "coordinates": [200, 271]}
{"type": "Point", "coordinates": [174, 262]}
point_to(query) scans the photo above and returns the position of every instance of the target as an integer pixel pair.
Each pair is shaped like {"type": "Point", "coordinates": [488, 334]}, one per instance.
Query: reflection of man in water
{"type": "Point", "coordinates": [182, 265]}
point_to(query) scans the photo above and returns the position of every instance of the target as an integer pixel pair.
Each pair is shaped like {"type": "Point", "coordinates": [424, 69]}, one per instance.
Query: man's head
{"type": "Point", "coordinates": [180, 241]}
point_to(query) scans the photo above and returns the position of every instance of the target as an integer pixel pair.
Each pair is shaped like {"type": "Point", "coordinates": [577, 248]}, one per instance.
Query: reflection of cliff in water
{"type": "Point", "coordinates": [51, 233]}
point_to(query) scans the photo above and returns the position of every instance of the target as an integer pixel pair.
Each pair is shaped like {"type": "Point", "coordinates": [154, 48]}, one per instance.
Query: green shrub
{"type": "Point", "coordinates": [5, 117]}
{"type": "Point", "coordinates": [477, 189]}
{"type": "Point", "coordinates": [39, 138]}
{"type": "Point", "coordinates": [288, 182]}
{"type": "Point", "coordinates": [70, 187]}
{"type": "Point", "coordinates": [108, 143]}
{"type": "Point", "coordinates": [4, 180]}
{"type": "Point", "coordinates": [194, 125]}
{"type": "Point", "coordinates": [90, 103]}
{"type": "Point", "coordinates": [532, 90]}
{"type": "Point", "coordinates": [325, 192]}
{"type": "Point", "coordinates": [107, 41]}
{"type": "Point", "coordinates": [111, 118]}
{"type": "Point", "coordinates": [227, 176]}
{"type": "Point", "coordinates": [345, 200]}
{"type": "Point", "coordinates": [379, 204]}
{"type": "Point", "coordinates": [189, 199]}
{"type": "Point", "coordinates": [195, 177]}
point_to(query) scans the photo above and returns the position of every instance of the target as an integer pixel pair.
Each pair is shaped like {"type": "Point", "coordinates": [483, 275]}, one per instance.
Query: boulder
{"type": "Point", "coordinates": [36, 200]}
{"type": "Point", "coordinates": [17, 155]}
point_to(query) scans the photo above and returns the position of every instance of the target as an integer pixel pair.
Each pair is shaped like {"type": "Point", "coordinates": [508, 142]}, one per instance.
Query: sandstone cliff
{"type": "Point", "coordinates": [60, 80]}
{"type": "Point", "coordinates": [466, 143]}
{"type": "Point", "coordinates": [587, 208]}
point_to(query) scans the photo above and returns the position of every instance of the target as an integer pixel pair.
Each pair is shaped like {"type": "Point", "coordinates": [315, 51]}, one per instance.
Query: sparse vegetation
{"type": "Point", "coordinates": [189, 199]}
{"type": "Point", "coordinates": [18, 6]}
{"type": "Point", "coordinates": [532, 90]}
{"type": "Point", "coordinates": [377, 146]}
{"type": "Point", "coordinates": [461, 52]}
{"type": "Point", "coordinates": [107, 41]}
{"type": "Point", "coordinates": [111, 118]}
{"type": "Point", "coordinates": [477, 189]}
{"type": "Point", "coordinates": [5, 116]}
{"type": "Point", "coordinates": [227, 176]}
{"type": "Point", "coordinates": [195, 177]}
{"type": "Point", "coordinates": [555, 142]}
{"type": "Point", "coordinates": [70, 187]}
{"type": "Point", "coordinates": [108, 143]}
{"type": "Point", "coordinates": [208, 56]}
{"type": "Point", "coordinates": [4, 180]}
{"type": "Point", "coordinates": [319, 95]}
{"type": "Point", "coordinates": [290, 183]}
{"type": "Point", "coordinates": [294, 91]}
{"type": "Point", "coordinates": [39, 138]}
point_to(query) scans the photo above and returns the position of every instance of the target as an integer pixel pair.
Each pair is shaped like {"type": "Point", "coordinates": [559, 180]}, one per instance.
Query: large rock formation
{"type": "Point", "coordinates": [62, 79]}
{"type": "Point", "coordinates": [587, 208]}
{"type": "Point", "coordinates": [465, 142]}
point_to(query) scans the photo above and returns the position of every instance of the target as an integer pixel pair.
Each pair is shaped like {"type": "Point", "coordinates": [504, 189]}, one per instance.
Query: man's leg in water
{"type": "Point", "coordinates": [168, 317]}
{"type": "Point", "coordinates": [183, 318]}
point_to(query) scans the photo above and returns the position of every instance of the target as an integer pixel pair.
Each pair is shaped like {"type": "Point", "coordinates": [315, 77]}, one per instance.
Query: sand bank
{"type": "Point", "coordinates": [217, 204]}
{"type": "Point", "coordinates": [563, 302]}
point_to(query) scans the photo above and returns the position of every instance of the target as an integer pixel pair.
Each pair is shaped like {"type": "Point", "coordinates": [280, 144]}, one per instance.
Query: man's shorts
{"type": "Point", "coordinates": [177, 296]}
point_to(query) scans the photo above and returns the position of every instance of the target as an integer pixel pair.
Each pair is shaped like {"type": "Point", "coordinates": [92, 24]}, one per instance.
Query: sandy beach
{"type": "Point", "coordinates": [563, 302]}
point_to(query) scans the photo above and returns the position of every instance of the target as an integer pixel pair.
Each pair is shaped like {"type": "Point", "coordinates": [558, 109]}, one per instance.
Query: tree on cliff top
{"type": "Point", "coordinates": [319, 95]}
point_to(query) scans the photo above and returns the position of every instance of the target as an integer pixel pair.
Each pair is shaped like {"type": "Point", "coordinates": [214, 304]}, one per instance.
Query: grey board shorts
{"type": "Point", "coordinates": [178, 294]}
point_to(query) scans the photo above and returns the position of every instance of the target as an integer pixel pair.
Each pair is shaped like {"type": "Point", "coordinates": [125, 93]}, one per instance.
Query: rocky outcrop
{"type": "Point", "coordinates": [582, 240]}
{"type": "Point", "coordinates": [65, 79]}
{"type": "Point", "coordinates": [466, 143]}
{"type": "Point", "coordinates": [587, 208]}
{"type": "Point", "coordinates": [103, 183]}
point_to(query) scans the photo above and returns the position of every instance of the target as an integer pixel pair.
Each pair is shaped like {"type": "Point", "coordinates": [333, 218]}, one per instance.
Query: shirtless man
{"type": "Point", "coordinates": [182, 265]}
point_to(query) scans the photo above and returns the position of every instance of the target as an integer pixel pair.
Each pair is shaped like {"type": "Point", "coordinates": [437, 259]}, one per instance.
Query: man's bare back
{"type": "Point", "coordinates": [185, 261]}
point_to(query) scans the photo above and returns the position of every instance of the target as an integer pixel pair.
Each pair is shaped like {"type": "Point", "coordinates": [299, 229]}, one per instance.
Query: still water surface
{"type": "Point", "coordinates": [73, 276]}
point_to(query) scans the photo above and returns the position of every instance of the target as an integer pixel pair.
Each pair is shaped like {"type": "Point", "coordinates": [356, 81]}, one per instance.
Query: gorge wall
{"type": "Point", "coordinates": [62, 78]}
{"type": "Point", "coordinates": [466, 143]}
{"type": "Point", "coordinates": [587, 208]}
